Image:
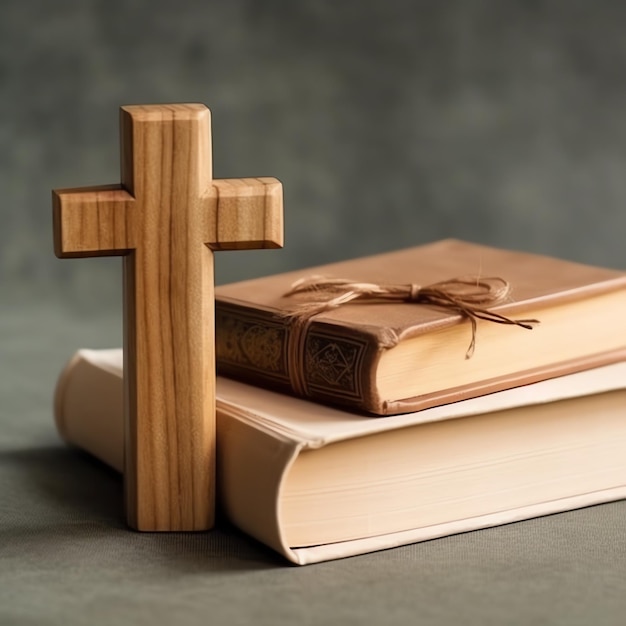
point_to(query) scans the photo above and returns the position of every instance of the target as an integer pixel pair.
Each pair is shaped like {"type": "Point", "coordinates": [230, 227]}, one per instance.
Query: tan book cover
{"type": "Point", "coordinates": [388, 358]}
{"type": "Point", "coordinates": [318, 483]}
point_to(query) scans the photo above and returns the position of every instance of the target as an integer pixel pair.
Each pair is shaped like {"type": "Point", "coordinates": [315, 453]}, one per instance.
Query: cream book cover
{"type": "Point", "coordinates": [318, 483]}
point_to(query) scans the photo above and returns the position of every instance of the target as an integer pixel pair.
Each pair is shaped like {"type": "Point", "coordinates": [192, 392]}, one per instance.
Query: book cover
{"type": "Point", "coordinates": [392, 357]}
{"type": "Point", "coordinates": [317, 483]}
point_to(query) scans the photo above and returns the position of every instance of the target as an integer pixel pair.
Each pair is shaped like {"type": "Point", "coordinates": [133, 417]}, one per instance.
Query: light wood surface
{"type": "Point", "coordinates": [166, 217]}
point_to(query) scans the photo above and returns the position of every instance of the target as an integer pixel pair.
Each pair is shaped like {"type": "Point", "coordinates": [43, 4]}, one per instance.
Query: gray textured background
{"type": "Point", "coordinates": [390, 123]}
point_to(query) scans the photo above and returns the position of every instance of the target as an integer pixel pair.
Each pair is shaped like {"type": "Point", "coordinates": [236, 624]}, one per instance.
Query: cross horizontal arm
{"type": "Point", "coordinates": [92, 221]}
{"type": "Point", "coordinates": [245, 213]}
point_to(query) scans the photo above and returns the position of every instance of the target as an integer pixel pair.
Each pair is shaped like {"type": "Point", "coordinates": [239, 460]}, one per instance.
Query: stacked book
{"type": "Point", "coordinates": [401, 397]}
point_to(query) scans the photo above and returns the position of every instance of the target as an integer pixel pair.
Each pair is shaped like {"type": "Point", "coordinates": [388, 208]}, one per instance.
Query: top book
{"type": "Point", "coordinates": [391, 356]}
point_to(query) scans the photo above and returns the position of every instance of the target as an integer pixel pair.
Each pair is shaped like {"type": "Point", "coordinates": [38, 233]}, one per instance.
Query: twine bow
{"type": "Point", "coordinates": [468, 297]}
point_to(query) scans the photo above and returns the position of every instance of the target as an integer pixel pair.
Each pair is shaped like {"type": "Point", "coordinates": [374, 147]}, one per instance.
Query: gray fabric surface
{"type": "Point", "coordinates": [390, 124]}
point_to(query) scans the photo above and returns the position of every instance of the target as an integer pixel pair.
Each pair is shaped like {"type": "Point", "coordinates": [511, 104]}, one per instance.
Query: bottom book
{"type": "Point", "coordinates": [317, 483]}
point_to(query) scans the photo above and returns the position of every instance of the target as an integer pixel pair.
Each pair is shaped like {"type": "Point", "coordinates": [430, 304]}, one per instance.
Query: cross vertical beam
{"type": "Point", "coordinates": [165, 219]}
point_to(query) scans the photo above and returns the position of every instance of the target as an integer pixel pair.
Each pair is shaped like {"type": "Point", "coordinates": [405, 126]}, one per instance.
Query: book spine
{"type": "Point", "coordinates": [89, 415]}
{"type": "Point", "coordinates": [249, 492]}
{"type": "Point", "coordinates": [331, 364]}
{"type": "Point", "coordinates": [89, 410]}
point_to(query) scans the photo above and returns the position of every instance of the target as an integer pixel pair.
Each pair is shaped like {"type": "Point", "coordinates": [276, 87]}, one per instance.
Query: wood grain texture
{"type": "Point", "coordinates": [166, 218]}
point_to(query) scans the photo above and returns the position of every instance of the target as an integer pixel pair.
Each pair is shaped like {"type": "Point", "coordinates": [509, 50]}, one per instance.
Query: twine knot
{"type": "Point", "coordinates": [468, 297]}
{"type": "Point", "coordinates": [414, 292]}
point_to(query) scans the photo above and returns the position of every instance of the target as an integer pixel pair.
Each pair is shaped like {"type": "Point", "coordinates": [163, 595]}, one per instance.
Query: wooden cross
{"type": "Point", "coordinates": [166, 218]}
